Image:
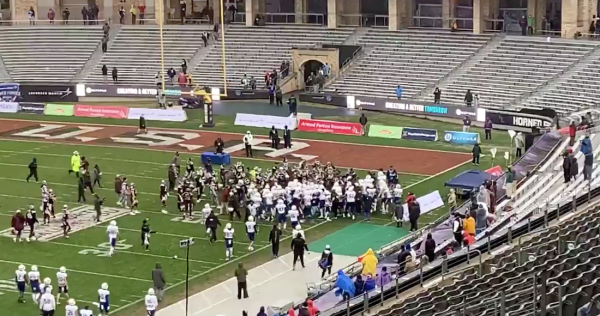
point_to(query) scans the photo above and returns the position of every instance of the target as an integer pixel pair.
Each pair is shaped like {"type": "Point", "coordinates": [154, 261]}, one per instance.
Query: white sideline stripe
{"type": "Point", "coordinates": [235, 259]}
{"type": "Point", "coordinates": [127, 252]}
{"type": "Point", "coordinates": [79, 271]}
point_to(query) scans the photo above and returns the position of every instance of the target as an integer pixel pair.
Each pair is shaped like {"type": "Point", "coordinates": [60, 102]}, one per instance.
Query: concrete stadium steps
{"type": "Point", "coordinates": [413, 59]}
{"type": "Point", "coordinates": [255, 50]}
{"type": "Point", "coordinates": [518, 66]}
{"type": "Point", "coordinates": [135, 51]}
{"type": "Point", "coordinates": [47, 53]}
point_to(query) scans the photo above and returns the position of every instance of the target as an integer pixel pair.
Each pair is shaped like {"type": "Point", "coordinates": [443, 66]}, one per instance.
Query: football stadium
{"type": "Point", "coordinates": [299, 157]}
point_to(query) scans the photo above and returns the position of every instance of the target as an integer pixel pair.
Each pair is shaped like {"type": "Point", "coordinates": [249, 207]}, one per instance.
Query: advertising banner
{"type": "Point", "coordinates": [519, 120]}
{"type": "Point", "coordinates": [10, 92]}
{"type": "Point", "coordinates": [31, 108]}
{"type": "Point", "coordinates": [157, 114]}
{"type": "Point", "coordinates": [496, 171]}
{"type": "Point", "coordinates": [427, 203]}
{"type": "Point", "coordinates": [48, 93]}
{"type": "Point", "coordinates": [151, 91]}
{"type": "Point", "coordinates": [117, 112]}
{"type": "Point", "coordinates": [461, 138]}
{"type": "Point", "coordinates": [385, 131]}
{"type": "Point", "coordinates": [423, 134]}
{"type": "Point", "coordinates": [56, 109]}
{"type": "Point", "coordinates": [330, 99]}
{"type": "Point", "coordinates": [9, 107]}
{"type": "Point", "coordinates": [267, 121]}
{"type": "Point", "coordinates": [329, 127]}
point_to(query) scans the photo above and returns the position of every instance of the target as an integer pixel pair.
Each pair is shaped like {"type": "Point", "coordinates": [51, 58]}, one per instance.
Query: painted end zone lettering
{"type": "Point", "coordinates": [329, 127]}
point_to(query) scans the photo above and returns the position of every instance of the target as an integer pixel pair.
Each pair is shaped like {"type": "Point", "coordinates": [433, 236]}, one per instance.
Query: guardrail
{"type": "Point", "coordinates": [51, 22]}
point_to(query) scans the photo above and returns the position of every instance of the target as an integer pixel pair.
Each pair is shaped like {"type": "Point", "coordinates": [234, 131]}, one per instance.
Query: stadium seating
{"type": "Point", "coordinates": [516, 67]}
{"type": "Point", "coordinates": [255, 50]}
{"type": "Point", "coordinates": [575, 90]}
{"type": "Point", "coordinates": [135, 51]}
{"type": "Point", "coordinates": [47, 53]}
{"type": "Point", "coordinates": [413, 59]}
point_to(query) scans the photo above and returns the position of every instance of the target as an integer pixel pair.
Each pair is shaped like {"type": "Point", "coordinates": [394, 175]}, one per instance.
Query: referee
{"type": "Point", "coordinates": [248, 143]}
{"type": "Point", "coordinates": [33, 170]}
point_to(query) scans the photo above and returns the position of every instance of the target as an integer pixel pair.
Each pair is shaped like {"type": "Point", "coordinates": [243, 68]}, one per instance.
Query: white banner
{"type": "Point", "coordinates": [9, 107]}
{"type": "Point", "coordinates": [157, 114]}
{"type": "Point", "coordinates": [266, 121]}
{"type": "Point", "coordinates": [428, 203]}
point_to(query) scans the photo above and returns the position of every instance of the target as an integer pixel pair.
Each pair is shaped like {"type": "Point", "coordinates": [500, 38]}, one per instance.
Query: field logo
{"type": "Point", "coordinates": [82, 218]}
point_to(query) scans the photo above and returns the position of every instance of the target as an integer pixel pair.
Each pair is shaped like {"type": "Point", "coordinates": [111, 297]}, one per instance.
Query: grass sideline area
{"type": "Point", "coordinates": [128, 273]}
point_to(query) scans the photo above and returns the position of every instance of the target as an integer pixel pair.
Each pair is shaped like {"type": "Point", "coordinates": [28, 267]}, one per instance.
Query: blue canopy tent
{"type": "Point", "coordinates": [469, 180]}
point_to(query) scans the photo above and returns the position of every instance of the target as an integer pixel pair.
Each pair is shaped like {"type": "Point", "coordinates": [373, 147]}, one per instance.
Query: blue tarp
{"type": "Point", "coordinates": [469, 180]}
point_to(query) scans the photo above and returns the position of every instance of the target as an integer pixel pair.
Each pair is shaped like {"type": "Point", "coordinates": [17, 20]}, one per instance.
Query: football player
{"type": "Point", "coordinates": [34, 282]}
{"type": "Point", "coordinates": [251, 231]}
{"type": "Point", "coordinates": [281, 212]}
{"type": "Point", "coordinates": [86, 311]}
{"type": "Point", "coordinates": [46, 285]}
{"type": "Point", "coordinates": [63, 287]}
{"type": "Point", "coordinates": [31, 219]}
{"type": "Point", "coordinates": [188, 202]}
{"type": "Point", "coordinates": [228, 236]}
{"type": "Point", "coordinates": [51, 200]}
{"type": "Point", "coordinates": [113, 233]}
{"type": "Point", "coordinates": [71, 309]}
{"type": "Point", "coordinates": [103, 299]}
{"type": "Point", "coordinates": [163, 196]}
{"type": "Point", "coordinates": [46, 208]}
{"type": "Point", "coordinates": [65, 222]}
{"type": "Point", "coordinates": [21, 280]}
{"type": "Point", "coordinates": [133, 198]}
{"type": "Point", "coordinates": [123, 196]}
{"type": "Point", "coordinates": [151, 302]}
{"type": "Point", "coordinates": [294, 217]}
{"type": "Point", "coordinates": [206, 212]}
{"type": "Point", "coordinates": [146, 231]}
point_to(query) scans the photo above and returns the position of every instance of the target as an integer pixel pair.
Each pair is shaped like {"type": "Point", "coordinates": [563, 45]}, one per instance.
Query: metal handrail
{"type": "Point", "coordinates": [54, 22]}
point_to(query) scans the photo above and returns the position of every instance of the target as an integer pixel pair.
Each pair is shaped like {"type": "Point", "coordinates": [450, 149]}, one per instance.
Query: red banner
{"type": "Point", "coordinates": [329, 127]}
{"type": "Point", "coordinates": [118, 112]}
{"type": "Point", "coordinates": [495, 171]}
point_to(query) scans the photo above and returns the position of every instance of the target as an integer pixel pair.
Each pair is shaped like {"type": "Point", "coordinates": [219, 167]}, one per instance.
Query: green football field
{"type": "Point", "coordinates": [84, 254]}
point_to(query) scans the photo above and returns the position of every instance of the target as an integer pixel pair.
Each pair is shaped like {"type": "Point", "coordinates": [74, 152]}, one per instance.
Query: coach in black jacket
{"type": "Point", "coordinates": [274, 237]}
{"type": "Point", "coordinates": [298, 246]}
{"type": "Point", "coordinates": [212, 221]}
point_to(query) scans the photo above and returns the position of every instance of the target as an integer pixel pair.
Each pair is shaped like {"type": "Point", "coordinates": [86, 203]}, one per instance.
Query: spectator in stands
{"type": "Point", "coordinates": [184, 66]}
{"type": "Point", "coordinates": [232, 11]}
{"type": "Point", "coordinates": [105, 43]}
{"type": "Point", "coordinates": [530, 24]}
{"type": "Point", "coordinates": [572, 133]}
{"type": "Point", "coordinates": [182, 79]}
{"type": "Point", "coordinates": [519, 144]}
{"type": "Point", "coordinates": [481, 218]}
{"type": "Point", "coordinates": [523, 25]}
{"type": "Point", "coordinates": [399, 92]}
{"type": "Point", "coordinates": [134, 13]}
{"type": "Point", "coordinates": [106, 29]}
{"type": "Point", "coordinates": [457, 228]}
{"type": "Point", "coordinates": [430, 248]}
{"type": "Point", "coordinates": [158, 79]}
{"type": "Point", "coordinates": [122, 15]}
{"type": "Point", "coordinates": [104, 73]}
{"type": "Point", "coordinates": [469, 224]}
{"type": "Point", "coordinates": [190, 80]}
{"type": "Point", "coordinates": [509, 185]}
{"type": "Point", "coordinates": [469, 98]}
{"type": "Point", "coordinates": [466, 123]}
{"type": "Point", "coordinates": [31, 16]}
{"type": "Point", "coordinates": [141, 13]}
{"type": "Point", "coordinates": [115, 74]}
{"type": "Point", "coordinates": [574, 165]}
{"type": "Point", "coordinates": [171, 73]}
{"type": "Point", "coordinates": [65, 15]}
{"type": "Point", "coordinates": [252, 83]}
{"type": "Point", "coordinates": [271, 89]}
{"type": "Point", "coordinates": [414, 212]}
{"type": "Point", "coordinates": [487, 127]}
{"type": "Point", "coordinates": [216, 29]}
{"type": "Point", "coordinates": [85, 15]}
{"type": "Point", "coordinates": [182, 10]}
{"type": "Point", "coordinates": [437, 95]}
{"type": "Point", "coordinates": [566, 167]}
{"type": "Point", "coordinates": [402, 256]}
{"type": "Point", "coordinates": [278, 96]}
{"type": "Point", "coordinates": [383, 278]}
{"type": "Point", "coordinates": [94, 14]}
{"type": "Point", "coordinates": [363, 123]}
{"type": "Point", "coordinates": [205, 39]}
{"type": "Point", "coordinates": [452, 200]}
{"type": "Point", "coordinates": [51, 15]}
{"type": "Point", "coordinates": [454, 27]}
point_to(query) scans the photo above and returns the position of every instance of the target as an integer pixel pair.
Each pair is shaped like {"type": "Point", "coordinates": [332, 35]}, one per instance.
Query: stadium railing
{"type": "Point", "coordinates": [51, 23]}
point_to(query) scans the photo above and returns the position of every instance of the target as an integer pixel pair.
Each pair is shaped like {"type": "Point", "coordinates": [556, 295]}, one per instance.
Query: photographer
{"type": "Point", "coordinates": [98, 205]}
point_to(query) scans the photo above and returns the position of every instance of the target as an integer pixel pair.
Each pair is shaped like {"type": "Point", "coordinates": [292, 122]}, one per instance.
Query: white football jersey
{"type": "Point", "coordinates": [350, 196]}
{"type": "Point", "coordinates": [293, 215]}
{"type": "Point", "coordinates": [34, 275]}
{"type": "Point", "coordinates": [280, 207]}
{"type": "Point", "coordinates": [250, 227]}
{"type": "Point", "coordinates": [20, 275]}
{"type": "Point", "coordinates": [47, 302]}
{"type": "Point", "coordinates": [43, 287]}
{"type": "Point", "coordinates": [103, 295]}
{"type": "Point", "coordinates": [268, 198]}
{"type": "Point", "coordinates": [151, 302]}
{"type": "Point", "coordinates": [113, 231]}
{"type": "Point", "coordinates": [71, 310]}
{"type": "Point", "coordinates": [228, 233]}
{"type": "Point", "coordinates": [86, 312]}
{"type": "Point", "coordinates": [61, 278]}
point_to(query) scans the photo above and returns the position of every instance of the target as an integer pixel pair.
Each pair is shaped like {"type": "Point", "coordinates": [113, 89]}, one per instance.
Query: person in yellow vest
{"type": "Point", "coordinates": [134, 13]}
{"type": "Point", "coordinates": [75, 163]}
{"type": "Point", "coordinates": [369, 262]}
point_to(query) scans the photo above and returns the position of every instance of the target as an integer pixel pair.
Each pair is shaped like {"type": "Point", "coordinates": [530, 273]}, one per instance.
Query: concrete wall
{"type": "Point", "coordinates": [324, 55]}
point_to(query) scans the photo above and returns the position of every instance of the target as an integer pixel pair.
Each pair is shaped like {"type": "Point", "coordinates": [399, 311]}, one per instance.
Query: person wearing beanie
{"type": "Point", "coordinates": [326, 261]}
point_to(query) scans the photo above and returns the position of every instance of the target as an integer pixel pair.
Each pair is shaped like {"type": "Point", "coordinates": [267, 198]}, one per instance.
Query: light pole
{"type": "Point", "coordinates": [186, 243]}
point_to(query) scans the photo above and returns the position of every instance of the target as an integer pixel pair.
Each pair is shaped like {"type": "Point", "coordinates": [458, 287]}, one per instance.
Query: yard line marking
{"type": "Point", "coordinates": [192, 153]}
{"type": "Point", "coordinates": [80, 271]}
{"type": "Point", "coordinates": [57, 168]}
{"type": "Point", "coordinates": [126, 301]}
{"type": "Point", "coordinates": [129, 252]}
{"type": "Point", "coordinates": [235, 259]}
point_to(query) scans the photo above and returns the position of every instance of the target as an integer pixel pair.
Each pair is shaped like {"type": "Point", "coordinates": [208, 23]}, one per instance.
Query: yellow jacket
{"type": "Point", "coordinates": [369, 262]}
{"type": "Point", "coordinates": [469, 225]}
{"type": "Point", "coordinates": [75, 163]}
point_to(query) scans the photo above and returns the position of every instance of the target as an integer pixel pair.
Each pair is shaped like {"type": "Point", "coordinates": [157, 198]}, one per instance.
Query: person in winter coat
{"type": "Point", "coordinates": [586, 145]}
{"type": "Point", "coordinates": [488, 128]}
{"type": "Point", "coordinates": [359, 286]}
{"type": "Point", "coordinates": [452, 200]}
{"type": "Point", "coordinates": [430, 248]}
{"type": "Point", "coordinates": [437, 95]}
{"type": "Point", "coordinates": [274, 237]}
{"type": "Point", "coordinates": [261, 312]}
{"type": "Point", "coordinates": [383, 278]}
{"type": "Point", "coordinates": [326, 261]}
{"type": "Point", "coordinates": [399, 92]}
{"type": "Point", "coordinates": [414, 211]}
{"type": "Point", "coordinates": [404, 254]}
{"type": "Point", "coordinates": [457, 228]}
{"type": "Point", "coordinates": [398, 214]}
{"type": "Point", "coordinates": [481, 218]}
{"type": "Point", "coordinates": [312, 309]}
{"type": "Point", "coordinates": [476, 154]}
{"type": "Point", "coordinates": [303, 310]}
{"type": "Point", "coordinates": [18, 224]}
{"type": "Point", "coordinates": [574, 166]}
{"type": "Point", "coordinates": [567, 166]}
{"type": "Point", "coordinates": [572, 133]}
{"type": "Point", "coordinates": [369, 283]}
{"type": "Point", "coordinates": [345, 288]}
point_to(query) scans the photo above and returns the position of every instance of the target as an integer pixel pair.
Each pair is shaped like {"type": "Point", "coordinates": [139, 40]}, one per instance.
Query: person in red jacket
{"type": "Point", "coordinates": [17, 223]}
{"type": "Point", "coordinates": [572, 132]}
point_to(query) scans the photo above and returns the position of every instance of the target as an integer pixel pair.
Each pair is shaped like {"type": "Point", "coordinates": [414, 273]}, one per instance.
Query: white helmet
{"type": "Point", "coordinates": [72, 302]}
{"type": "Point", "coordinates": [150, 291]}
{"type": "Point", "coordinates": [65, 206]}
{"type": "Point", "coordinates": [47, 281]}
{"type": "Point", "coordinates": [21, 267]}
{"type": "Point", "coordinates": [293, 207]}
{"type": "Point", "coordinates": [104, 286]}
{"type": "Point", "coordinates": [63, 269]}
{"type": "Point", "coordinates": [250, 218]}
{"type": "Point", "coordinates": [298, 227]}
{"type": "Point", "coordinates": [48, 290]}
{"type": "Point", "coordinates": [113, 223]}
{"type": "Point", "coordinates": [228, 226]}
{"type": "Point", "coordinates": [207, 205]}
{"type": "Point", "coordinates": [34, 268]}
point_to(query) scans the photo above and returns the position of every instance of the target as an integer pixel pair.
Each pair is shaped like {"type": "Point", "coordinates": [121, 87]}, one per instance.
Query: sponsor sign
{"type": "Point", "coordinates": [31, 108]}
{"type": "Point", "coordinates": [56, 109]}
{"type": "Point", "coordinates": [419, 134]}
{"type": "Point", "coordinates": [151, 91]}
{"type": "Point", "coordinates": [10, 92]}
{"type": "Point", "coordinates": [329, 127]}
{"type": "Point", "coordinates": [157, 114]}
{"type": "Point", "coordinates": [462, 138]}
{"type": "Point", "coordinates": [385, 131]}
{"type": "Point", "coordinates": [427, 203]}
{"type": "Point", "coordinates": [9, 107]}
{"type": "Point", "coordinates": [496, 171]}
{"type": "Point", "coordinates": [266, 121]}
{"type": "Point", "coordinates": [117, 112]}
{"type": "Point", "coordinates": [47, 93]}
{"type": "Point", "coordinates": [520, 120]}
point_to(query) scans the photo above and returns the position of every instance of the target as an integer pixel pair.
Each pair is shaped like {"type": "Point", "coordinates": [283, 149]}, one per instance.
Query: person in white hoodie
{"type": "Point", "coordinates": [47, 303]}
{"type": "Point", "coordinates": [326, 261]}
{"type": "Point", "coordinates": [298, 230]}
